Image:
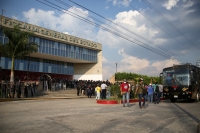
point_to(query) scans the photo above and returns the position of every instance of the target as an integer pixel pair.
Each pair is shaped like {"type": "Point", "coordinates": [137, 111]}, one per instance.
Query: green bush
{"type": "Point", "coordinates": [120, 76]}
{"type": "Point", "coordinates": [115, 90]}
{"type": "Point", "coordinates": [133, 76]}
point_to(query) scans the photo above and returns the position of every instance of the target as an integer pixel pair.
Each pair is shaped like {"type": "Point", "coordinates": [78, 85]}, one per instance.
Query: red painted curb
{"type": "Point", "coordinates": [107, 101]}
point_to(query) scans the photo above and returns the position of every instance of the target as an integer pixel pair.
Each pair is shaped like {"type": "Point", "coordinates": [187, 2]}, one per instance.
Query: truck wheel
{"type": "Point", "coordinates": [173, 100]}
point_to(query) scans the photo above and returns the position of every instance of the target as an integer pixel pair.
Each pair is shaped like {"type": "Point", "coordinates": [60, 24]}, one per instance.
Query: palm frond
{"type": "Point", "coordinates": [18, 45]}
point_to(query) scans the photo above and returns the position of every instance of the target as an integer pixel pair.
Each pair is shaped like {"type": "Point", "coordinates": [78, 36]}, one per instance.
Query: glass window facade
{"type": "Point", "coordinates": [64, 50]}
{"type": "Point", "coordinates": [39, 65]}
{"type": "Point", "coordinates": [49, 66]}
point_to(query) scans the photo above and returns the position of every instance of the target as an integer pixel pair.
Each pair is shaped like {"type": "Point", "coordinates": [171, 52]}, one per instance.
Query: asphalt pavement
{"type": "Point", "coordinates": [84, 115]}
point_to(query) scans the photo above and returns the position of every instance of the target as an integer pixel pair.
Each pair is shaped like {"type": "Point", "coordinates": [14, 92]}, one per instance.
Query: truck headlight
{"type": "Point", "coordinates": [184, 89]}
{"type": "Point", "coordinates": [166, 89]}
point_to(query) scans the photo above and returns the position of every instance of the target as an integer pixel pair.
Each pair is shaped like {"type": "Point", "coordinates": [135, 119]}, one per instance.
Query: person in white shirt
{"type": "Point", "coordinates": [103, 90]}
{"type": "Point", "coordinates": [160, 90]}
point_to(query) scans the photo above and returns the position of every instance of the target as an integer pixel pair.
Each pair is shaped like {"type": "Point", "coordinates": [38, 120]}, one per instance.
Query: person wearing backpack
{"type": "Point", "coordinates": [89, 92]}
{"type": "Point", "coordinates": [140, 90]}
{"type": "Point", "coordinates": [156, 94]}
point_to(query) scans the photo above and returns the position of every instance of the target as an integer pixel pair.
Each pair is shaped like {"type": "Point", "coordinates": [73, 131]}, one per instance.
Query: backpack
{"type": "Point", "coordinates": [157, 88]}
{"type": "Point", "coordinates": [89, 90]}
{"type": "Point", "coordinates": [144, 91]}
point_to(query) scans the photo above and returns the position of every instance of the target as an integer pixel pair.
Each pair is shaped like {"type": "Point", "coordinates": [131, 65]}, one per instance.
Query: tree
{"type": "Point", "coordinates": [134, 76]}
{"type": "Point", "coordinates": [18, 46]}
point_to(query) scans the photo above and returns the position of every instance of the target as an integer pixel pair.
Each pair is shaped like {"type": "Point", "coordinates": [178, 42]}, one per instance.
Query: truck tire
{"type": "Point", "coordinates": [173, 100]}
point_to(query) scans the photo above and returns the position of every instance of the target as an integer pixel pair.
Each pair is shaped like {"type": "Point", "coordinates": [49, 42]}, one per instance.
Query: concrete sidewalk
{"type": "Point", "coordinates": [39, 98]}
{"type": "Point", "coordinates": [61, 94]}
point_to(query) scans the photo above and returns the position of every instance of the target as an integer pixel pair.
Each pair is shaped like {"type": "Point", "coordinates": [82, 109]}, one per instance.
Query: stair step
{"type": "Point", "coordinates": [68, 91]}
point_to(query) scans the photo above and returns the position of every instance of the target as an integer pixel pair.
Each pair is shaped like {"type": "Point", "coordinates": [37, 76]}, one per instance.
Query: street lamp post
{"type": "Point", "coordinates": [116, 71]}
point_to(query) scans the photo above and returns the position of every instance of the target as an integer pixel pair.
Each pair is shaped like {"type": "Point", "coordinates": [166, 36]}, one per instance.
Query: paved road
{"type": "Point", "coordinates": [85, 116]}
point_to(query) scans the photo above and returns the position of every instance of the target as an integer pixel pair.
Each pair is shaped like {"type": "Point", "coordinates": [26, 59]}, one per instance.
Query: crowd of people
{"type": "Point", "coordinates": [99, 89]}
{"type": "Point", "coordinates": [25, 89]}
{"type": "Point", "coordinates": [151, 92]}
{"type": "Point", "coordinates": [17, 89]}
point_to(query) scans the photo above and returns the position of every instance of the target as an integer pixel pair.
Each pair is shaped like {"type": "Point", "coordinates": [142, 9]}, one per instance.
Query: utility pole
{"type": "Point", "coordinates": [116, 67]}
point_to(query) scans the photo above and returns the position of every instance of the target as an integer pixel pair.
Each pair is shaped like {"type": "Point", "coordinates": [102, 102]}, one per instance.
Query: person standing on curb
{"type": "Point", "coordinates": [124, 88]}
{"type": "Point", "coordinates": [103, 90]}
{"type": "Point", "coordinates": [139, 90]}
{"type": "Point", "coordinates": [98, 91]}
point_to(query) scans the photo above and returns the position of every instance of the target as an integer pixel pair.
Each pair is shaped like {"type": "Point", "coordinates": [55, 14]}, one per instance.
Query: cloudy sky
{"type": "Point", "coordinates": [141, 36]}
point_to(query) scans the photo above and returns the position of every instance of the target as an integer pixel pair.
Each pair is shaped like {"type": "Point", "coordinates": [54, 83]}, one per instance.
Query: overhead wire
{"type": "Point", "coordinates": [169, 22]}
{"type": "Point", "coordinates": [143, 38]}
{"type": "Point", "coordinates": [116, 33]}
{"type": "Point", "coordinates": [125, 29]}
{"type": "Point", "coordinates": [159, 27]}
{"type": "Point", "coordinates": [106, 29]}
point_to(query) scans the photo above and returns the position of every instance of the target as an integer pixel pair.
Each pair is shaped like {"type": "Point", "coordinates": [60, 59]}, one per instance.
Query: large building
{"type": "Point", "coordinates": [59, 55]}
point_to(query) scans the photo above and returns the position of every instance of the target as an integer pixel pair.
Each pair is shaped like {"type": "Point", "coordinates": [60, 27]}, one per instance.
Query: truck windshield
{"type": "Point", "coordinates": [176, 76]}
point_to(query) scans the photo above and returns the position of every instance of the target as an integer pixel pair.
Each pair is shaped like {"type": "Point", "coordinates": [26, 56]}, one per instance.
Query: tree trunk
{"type": "Point", "coordinates": [12, 70]}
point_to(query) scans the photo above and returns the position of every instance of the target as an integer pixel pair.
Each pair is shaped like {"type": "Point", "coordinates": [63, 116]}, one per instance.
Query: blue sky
{"type": "Point", "coordinates": [148, 34]}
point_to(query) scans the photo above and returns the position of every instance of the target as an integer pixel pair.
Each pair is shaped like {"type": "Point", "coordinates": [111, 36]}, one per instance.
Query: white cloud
{"type": "Point", "coordinates": [14, 17]}
{"type": "Point", "coordinates": [104, 59]}
{"type": "Point", "coordinates": [58, 21]}
{"type": "Point", "coordinates": [143, 66]}
{"type": "Point", "coordinates": [130, 57]}
{"type": "Point", "coordinates": [160, 41]}
{"type": "Point", "coordinates": [188, 4]}
{"type": "Point", "coordinates": [130, 63]}
{"type": "Point", "coordinates": [171, 3]}
{"type": "Point", "coordinates": [120, 2]}
{"type": "Point", "coordinates": [142, 29]}
{"type": "Point", "coordinates": [41, 17]}
{"type": "Point", "coordinates": [108, 72]}
{"type": "Point", "coordinates": [136, 65]}
{"type": "Point", "coordinates": [127, 17]}
{"type": "Point", "coordinates": [107, 7]}
{"type": "Point", "coordinates": [159, 65]}
{"type": "Point", "coordinates": [152, 32]}
{"type": "Point", "coordinates": [66, 33]}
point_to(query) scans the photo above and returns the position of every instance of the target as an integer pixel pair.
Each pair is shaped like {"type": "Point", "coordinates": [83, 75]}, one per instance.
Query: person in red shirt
{"type": "Point", "coordinates": [124, 88]}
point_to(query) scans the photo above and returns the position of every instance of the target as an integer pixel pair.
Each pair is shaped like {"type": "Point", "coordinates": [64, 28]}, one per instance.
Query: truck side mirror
{"type": "Point", "coordinates": [161, 74]}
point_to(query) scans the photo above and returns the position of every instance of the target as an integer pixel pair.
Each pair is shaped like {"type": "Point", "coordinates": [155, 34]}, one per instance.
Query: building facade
{"type": "Point", "coordinates": [59, 55]}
